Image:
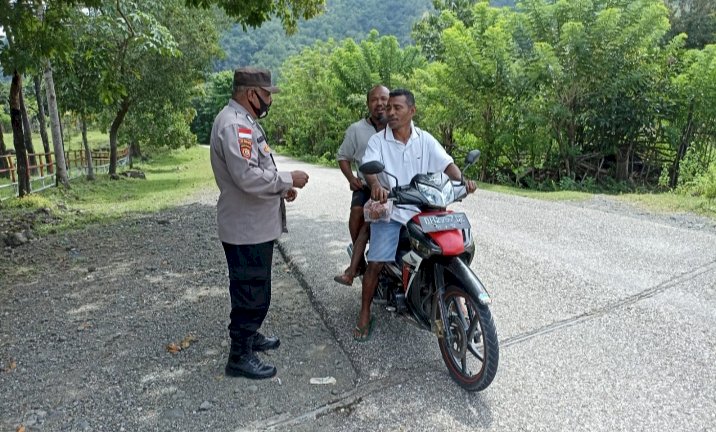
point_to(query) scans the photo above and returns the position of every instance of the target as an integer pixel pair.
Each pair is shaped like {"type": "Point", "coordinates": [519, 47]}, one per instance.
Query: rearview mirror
{"type": "Point", "coordinates": [472, 157]}
{"type": "Point", "coordinates": [372, 167]}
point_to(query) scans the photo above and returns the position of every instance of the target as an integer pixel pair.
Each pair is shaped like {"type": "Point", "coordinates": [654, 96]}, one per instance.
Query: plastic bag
{"type": "Point", "coordinates": [374, 211]}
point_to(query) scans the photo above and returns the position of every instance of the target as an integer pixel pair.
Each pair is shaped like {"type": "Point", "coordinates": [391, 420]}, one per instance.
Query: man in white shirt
{"type": "Point", "coordinates": [405, 150]}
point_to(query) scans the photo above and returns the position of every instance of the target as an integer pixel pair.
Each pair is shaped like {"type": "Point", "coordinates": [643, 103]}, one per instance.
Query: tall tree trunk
{"type": "Point", "coordinates": [23, 176]}
{"type": "Point", "coordinates": [3, 152]}
{"type": "Point", "coordinates": [27, 134]}
{"type": "Point", "coordinates": [88, 152]}
{"type": "Point", "coordinates": [61, 173]}
{"type": "Point", "coordinates": [43, 123]}
{"type": "Point", "coordinates": [113, 130]}
{"type": "Point", "coordinates": [623, 165]}
{"type": "Point", "coordinates": [134, 150]}
{"type": "Point", "coordinates": [686, 134]}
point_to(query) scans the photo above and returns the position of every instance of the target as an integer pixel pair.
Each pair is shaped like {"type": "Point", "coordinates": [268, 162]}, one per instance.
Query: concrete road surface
{"type": "Point", "coordinates": [606, 316]}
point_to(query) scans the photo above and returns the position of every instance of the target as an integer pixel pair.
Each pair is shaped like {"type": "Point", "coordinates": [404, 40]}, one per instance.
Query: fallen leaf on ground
{"type": "Point", "coordinates": [10, 366]}
{"type": "Point", "coordinates": [20, 428]}
{"type": "Point", "coordinates": [188, 340]}
{"type": "Point", "coordinates": [183, 344]}
{"type": "Point", "coordinates": [84, 326]}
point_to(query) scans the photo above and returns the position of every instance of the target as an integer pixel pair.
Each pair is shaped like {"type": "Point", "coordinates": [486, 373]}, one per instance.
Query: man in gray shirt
{"type": "Point", "coordinates": [351, 151]}
{"type": "Point", "coordinates": [250, 213]}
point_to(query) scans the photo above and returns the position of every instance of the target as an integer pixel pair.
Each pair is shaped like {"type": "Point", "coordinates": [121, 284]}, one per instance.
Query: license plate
{"type": "Point", "coordinates": [444, 222]}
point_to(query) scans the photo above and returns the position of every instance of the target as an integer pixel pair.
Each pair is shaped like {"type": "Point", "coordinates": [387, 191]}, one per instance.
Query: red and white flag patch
{"type": "Point", "coordinates": [245, 142]}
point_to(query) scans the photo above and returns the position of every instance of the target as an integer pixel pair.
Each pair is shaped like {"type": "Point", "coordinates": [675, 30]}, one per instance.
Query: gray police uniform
{"type": "Point", "coordinates": [250, 208]}
{"type": "Point", "coordinates": [250, 214]}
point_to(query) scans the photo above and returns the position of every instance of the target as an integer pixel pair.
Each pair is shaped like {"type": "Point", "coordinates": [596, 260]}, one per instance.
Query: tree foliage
{"type": "Point", "coordinates": [269, 47]}
{"type": "Point", "coordinates": [138, 65]}
{"type": "Point", "coordinates": [696, 18]}
{"type": "Point", "coordinates": [559, 93]}
{"type": "Point", "coordinates": [253, 13]}
{"type": "Point", "coordinates": [317, 103]}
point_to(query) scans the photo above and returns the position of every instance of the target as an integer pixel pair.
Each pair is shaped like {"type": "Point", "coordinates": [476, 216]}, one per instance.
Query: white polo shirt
{"type": "Point", "coordinates": [421, 155]}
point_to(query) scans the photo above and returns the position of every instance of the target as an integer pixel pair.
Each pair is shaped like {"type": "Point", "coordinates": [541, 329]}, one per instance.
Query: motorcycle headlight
{"type": "Point", "coordinates": [437, 197]}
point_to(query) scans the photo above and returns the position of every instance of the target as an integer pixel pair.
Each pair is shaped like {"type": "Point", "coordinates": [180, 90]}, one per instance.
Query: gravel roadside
{"type": "Point", "coordinates": [86, 319]}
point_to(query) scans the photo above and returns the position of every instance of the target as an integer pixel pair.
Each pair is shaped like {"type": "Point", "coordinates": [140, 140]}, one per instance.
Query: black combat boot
{"type": "Point", "coordinates": [243, 362]}
{"type": "Point", "coordinates": [263, 343]}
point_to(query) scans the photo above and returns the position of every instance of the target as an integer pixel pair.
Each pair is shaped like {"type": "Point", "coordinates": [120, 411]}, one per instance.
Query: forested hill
{"type": "Point", "coordinates": [269, 46]}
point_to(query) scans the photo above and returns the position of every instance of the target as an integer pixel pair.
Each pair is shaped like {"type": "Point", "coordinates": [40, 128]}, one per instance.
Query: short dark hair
{"type": "Point", "coordinates": [409, 98]}
{"type": "Point", "coordinates": [377, 86]}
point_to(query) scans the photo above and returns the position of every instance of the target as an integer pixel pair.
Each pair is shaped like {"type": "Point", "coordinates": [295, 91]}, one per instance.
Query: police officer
{"type": "Point", "coordinates": [250, 213]}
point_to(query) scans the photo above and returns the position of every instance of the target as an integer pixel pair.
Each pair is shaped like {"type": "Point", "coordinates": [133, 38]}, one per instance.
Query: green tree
{"type": "Point", "coordinates": [695, 18]}
{"type": "Point", "coordinates": [79, 80]}
{"type": "Point", "coordinates": [253, 13]}
{"type": "Point", "coordinates": [211, 98]}
{"type": "Point", "coordinates": [269, 47]}
{"type": "Point", "coordinates": [317, 103]}
{"type": "Point", "coordinates": [148, 58]}
{"type": "Point", "coordinates": [164, 107]}
{"type": "Point", "coordinates": [694, 124]}
{"type": "Point", "coordinates": [479, 60]}
{"type": "Point", "coordinates": [376, 60]}
{"type": "Point", "coordinates": [308, 117]}
{"type": "Point", "coordinates": [596, 67]}
{"type": "Point", "coordinates": [35, 33]}
{"type": "Point", "coordinates": [427, 32]}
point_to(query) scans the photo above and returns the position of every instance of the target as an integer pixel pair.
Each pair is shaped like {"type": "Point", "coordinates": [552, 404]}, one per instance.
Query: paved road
{"type": "Point", "coordinates": [607, 320]}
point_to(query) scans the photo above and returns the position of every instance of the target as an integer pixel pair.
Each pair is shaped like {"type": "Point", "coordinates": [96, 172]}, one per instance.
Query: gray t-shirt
{"type": "Point", "coordinates": [354, 144]}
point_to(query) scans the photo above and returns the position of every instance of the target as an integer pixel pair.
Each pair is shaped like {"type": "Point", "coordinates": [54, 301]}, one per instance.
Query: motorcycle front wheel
{"type": "Point", "coordinates": [469, 345]}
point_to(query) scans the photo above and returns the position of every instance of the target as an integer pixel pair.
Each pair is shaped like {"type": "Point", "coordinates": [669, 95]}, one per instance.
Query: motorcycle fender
{"type": "Point", "coordinates": [471, 283]}
{"type": "Point", "coordinates": [451, 242]}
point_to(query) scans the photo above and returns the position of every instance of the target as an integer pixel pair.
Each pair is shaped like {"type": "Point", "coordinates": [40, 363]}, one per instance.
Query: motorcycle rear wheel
{"type": "Point", "coordinates": [469, 345]}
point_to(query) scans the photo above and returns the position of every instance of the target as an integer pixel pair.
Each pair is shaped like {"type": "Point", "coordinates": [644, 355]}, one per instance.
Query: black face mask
{"type": "Point", "coordinates": [263, 108]}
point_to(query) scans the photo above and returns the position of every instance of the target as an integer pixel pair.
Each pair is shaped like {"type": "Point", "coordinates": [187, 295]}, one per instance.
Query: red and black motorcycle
{"type": "Point", "coordinates": [431, 280]}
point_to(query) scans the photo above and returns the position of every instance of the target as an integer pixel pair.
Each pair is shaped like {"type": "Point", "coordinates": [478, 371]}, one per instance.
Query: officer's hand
{"type": "Point", "coordinates": [356, 184]}
{"type": "Point", "coordinates": [291, 195]}
{"type": "Point", "coordinates": [471, 186]}
{"type": "Point", "coordinates": [379, 193]}
{"type": "Point", "coordinates": [300, 178]}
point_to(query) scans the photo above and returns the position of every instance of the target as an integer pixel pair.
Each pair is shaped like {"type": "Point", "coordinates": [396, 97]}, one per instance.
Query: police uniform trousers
{"type": "Point", "coordinates": [249, 286]}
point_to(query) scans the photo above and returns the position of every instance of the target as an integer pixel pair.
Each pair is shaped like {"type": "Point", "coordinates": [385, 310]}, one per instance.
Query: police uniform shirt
{"type": "Point", "coordinates": [250, 209]}
{"type": "Point", "coordinates": [354, 144]}
{"type": "Point", "coordinates": [422, 154]}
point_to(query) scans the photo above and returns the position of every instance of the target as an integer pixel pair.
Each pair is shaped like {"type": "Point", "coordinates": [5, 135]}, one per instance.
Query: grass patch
{"type": "Point", "coordinates": [669, 202]}
{"type": "Point", "coordinates": [665, 202]}
{"type": "Point", "coordinates": [171, 177]}
{"type": "Point", "coordinates": [564, 195]}
{"type": "Point", "coordinates": [73, 140]}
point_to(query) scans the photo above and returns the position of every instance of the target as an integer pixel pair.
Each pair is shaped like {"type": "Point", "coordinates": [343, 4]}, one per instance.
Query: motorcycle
{"type": "Point", "coordinates": [431, 281]}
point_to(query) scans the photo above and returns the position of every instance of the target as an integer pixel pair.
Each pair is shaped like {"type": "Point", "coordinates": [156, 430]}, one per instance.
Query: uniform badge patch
{"type": "Point", "coordinates": [245, 142]}
{"type": "Point", "coordinates": [267, 149]}
{"type": "Point", "coordinates": [245, 147]}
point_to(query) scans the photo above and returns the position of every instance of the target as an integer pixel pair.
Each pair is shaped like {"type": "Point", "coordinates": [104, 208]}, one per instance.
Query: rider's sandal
{"type": "Point", "coordinates": [362, 334]}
